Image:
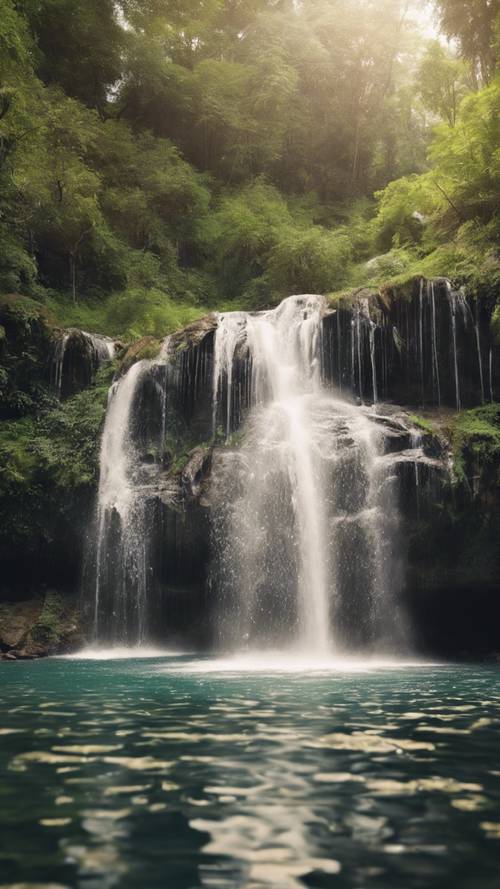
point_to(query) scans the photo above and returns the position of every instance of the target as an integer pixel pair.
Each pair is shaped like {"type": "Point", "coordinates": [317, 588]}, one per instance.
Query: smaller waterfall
{"type": "Point", "coordinates": [490, 369]}
{"type": "Point", "coordinates": [373, 354]}
{"type": "Point", "coordinates": [452, 299]}
{"type": "Point", "coordinates": [435, 362]}
{"type": "Point", "coordinates": [479, 354]}
{"type": "Point", "coordinates": [76, 357]}
{"type": "Point", "coordinates": [103, 346]}
{"type": "Point", "coordinates": [353, 360]}
{"type": "Point", "coordinates": [58, 362]}
{"type": "Point", "coordinates": [421, 338]}
{"type": "Point", "coordinates": [429, 348]}
{"type": "Point", "coordinates": [227, 337]}
{"type": "Point", "coordinates": [121, 534]}
{"type": "Point", "coordinates": [358, 342]}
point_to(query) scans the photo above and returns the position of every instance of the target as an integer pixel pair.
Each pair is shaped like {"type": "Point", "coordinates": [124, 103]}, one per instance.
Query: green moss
{"type": "Point", "coordinates": [51, 625]}
{"type": "Point", "coordinates": [128, 315]}
{"type": "Point", "coordinates": [234, 440]}
{"type": "Point", "coordinates": [475, 439]}
{"type": "Point", "coordinates": [147, 348]}
{"type": "Point", "coordinates": [495, 325]}
{"type": "Point", "coordinates": [422, 423]}
{"type": "Point", "coordinates": [49, 465]}
{"type": "Point", "coordinates": [150, 352]}
{"type": "Point", "coordinates": [24, 309]}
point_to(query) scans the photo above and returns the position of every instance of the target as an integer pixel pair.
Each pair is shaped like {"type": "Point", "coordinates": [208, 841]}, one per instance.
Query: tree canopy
{"type": "Point", "coordinates": [231, 150]}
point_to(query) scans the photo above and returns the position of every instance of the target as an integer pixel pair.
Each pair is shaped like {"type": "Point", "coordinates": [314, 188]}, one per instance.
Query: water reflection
{"type": "Point", "coordinates": [182, 773]}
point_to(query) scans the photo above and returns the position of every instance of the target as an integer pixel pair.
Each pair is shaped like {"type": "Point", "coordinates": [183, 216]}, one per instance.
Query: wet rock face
{"type": "Point", "coordinates": [196, 472]}
{"type": "Point", "coordinates": [431, 346]}
{"type": "Point", "coordinates": [173, 427]}
{"type": "Point", "coordinates": [147, 347]}
{"type": "Point", "coordinates": [450, 531]}
{"type": "Point", "coordinates": [154, 548]}
{"type": "Point", "coordinates": [76, 356]}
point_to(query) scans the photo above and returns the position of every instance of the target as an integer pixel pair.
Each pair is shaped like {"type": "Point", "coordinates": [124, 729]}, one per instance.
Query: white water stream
{"type": "Point", "coordinates": [306, 494]}
{"type": "Point", "coordinates": [119, 501]}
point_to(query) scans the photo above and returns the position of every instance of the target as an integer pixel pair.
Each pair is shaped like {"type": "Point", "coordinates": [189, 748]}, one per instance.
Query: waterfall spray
{"type": "Point", "coordinates": [306, 514]}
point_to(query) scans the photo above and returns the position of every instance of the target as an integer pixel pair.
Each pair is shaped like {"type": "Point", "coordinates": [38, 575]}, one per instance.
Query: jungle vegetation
{"type": "Point", "coordinates": [158, 157]}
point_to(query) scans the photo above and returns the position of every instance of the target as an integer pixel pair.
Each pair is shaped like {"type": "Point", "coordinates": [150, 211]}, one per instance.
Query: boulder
{"type": "Point", "coordinates": [16, 620]}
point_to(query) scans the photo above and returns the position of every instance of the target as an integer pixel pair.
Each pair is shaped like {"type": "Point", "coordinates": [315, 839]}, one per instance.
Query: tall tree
{"type": "Point", "coordinates": [442, 82]}
{"type": "Point", "coordinates": [80, 45]}
{"type": "Point", "coordinates": [472, 23]}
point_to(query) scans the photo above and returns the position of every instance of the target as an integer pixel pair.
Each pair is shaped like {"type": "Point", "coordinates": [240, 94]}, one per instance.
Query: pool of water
{"type": "Point", "coordinates": [173, 772]}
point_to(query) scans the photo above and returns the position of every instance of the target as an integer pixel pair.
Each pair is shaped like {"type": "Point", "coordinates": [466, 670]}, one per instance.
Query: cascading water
{"type": "Point", "coordinates": [121, 556]}
{"type": "Point", "coordinates": [306, 522]}
{"type": "Point", "coordinates": [252, 425]}
{"type": "Point", "coordinates": [57, 363]}
{"type": "Point", "coordinates": [126, 489]}
{"type": "Point", "coordinates": [76, 356]}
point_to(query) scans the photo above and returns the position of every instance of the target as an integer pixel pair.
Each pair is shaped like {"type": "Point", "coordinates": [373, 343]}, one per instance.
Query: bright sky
{"type": "Point", "coordinates": [423, 13]}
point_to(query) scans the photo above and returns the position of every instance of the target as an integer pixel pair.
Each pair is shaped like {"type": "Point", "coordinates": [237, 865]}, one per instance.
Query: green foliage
{"type": "Point", "coordinates": [128, 315]}
{"type": "Point", "coordinates": [57, 448]}
{"type": "Point", "coordinates": [52, 621]}
{"type": "Point", "coordinates": [23, 354]}
{"type": "Point", "coordinates": [476, 441]}
{"type": "Point", "coordinates": [442, 82]}
{"type": "Point", "coordinates": [156, 158]}
{"type": "Point", "coordinates": [289, 114]}
{"type": "Point", "coordinates": [423, 423]}
{"type": "Point", "coordinates": [404, 209]}
{"type": "Point", "coordinates": [265, 247]}
{"type": "Point", "coordinates": [313, 259]}
{"type": "Point", "coordinates": [391, 265]}
{"type": "Point", "coordinates": [79, 46]}
{"type": "Point", "coordinates": [447, 218]}
{"type": "Point", "coordinates": [473, 23]}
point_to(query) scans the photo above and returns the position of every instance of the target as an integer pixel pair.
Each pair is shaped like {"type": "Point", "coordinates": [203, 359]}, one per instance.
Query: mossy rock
{"type": "Point", "coordinates": [24, 309]}
{"type": "Point", "coordinates": [41, 626]}
{"type": "Point", "coordinates": [475, 437]}
{"type": "Point", "coordinates": [26, 347]}
{"type": "Point", "coordinates": [148, 348]}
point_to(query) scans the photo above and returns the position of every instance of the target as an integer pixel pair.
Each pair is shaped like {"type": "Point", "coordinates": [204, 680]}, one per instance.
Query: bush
{"type": "Point", "coordinates": [310, 260]}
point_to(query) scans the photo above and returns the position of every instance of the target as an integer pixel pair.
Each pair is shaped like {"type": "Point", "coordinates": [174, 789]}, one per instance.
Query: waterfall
{"type": "Point", "coordinates": [452, 298]}
{"type": "Point", "coordinates": [305, 518]}
{"type": "Point", "coordinates": [126, 490]}
{"type": "Point", "coordinates": [103, 346]}
{"type": "Point", "coordinates": [226, 341]}
{"type": "Point", "coordinates": [421, 337]}
{"type": "Point", "coordinates": [58, 363]}
{"type": "Point", "coordinates": [245, 447]}
{"type": "Point", "coordinates": [435, 362]}
{"type": "Point", "coordinates": [373, 328]}
{"type": "Point", "coordinates": [76, 357]}
{"type": "Point", "coordinates": [490, 373]}
{"type": "Point", "coordinates": [121, 556]}
{"type": "Point", "coordinates": [479, 354]}
{"type": "Point", "coordinates": [358, 341]}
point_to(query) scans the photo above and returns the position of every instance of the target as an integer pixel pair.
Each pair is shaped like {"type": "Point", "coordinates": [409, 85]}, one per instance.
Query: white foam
{"type": "Point", "coordinates": [291, 662]}
{"type": "Point", "coordinates": [120, 652]}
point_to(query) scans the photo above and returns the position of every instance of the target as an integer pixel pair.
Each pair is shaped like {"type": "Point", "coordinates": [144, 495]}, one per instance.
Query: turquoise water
{"type": "Point", "coordinates": [176, 773]}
